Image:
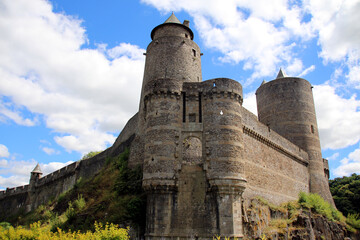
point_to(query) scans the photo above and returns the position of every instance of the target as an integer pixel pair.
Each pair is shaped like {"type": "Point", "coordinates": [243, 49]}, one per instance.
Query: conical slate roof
{"type": "Point", "coordinates": [37, 169]}
{"type": "Point", "coordinates": [281, 74]}
{"type": "Point", "coordinates": [173, 19]}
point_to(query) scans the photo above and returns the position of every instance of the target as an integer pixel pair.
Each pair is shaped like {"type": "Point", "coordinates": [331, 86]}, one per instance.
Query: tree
{"type": "Point", "coordinates": [90, 155]}
{"type": "Point", "coordinates": [346, 193]}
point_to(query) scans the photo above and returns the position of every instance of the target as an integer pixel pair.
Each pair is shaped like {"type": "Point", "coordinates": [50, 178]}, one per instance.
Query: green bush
{"type": "Point", "coordinates": [353, 220]}
{"type": "Point", "coordinates": [319, 205]}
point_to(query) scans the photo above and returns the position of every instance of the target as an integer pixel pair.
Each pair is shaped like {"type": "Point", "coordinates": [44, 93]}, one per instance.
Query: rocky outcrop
{"type": "Point", "coordinates": [264, 221]}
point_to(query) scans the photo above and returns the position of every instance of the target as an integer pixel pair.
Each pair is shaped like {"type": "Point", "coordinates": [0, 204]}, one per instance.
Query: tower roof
{"type": "Point", "coordinates": [37, 169]}
{"type": "Point", "coordinates": [175, 21]}
{"type": "Point", "coordinates": [281, 74]}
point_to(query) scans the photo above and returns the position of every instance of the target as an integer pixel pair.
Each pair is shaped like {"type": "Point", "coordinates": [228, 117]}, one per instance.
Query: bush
{"type": "Point", "coordinates": [319, 205]}
{"type": "Point", "coordinates": [36, 231]}
{"type": "Point", "coordinates": [353, 220]}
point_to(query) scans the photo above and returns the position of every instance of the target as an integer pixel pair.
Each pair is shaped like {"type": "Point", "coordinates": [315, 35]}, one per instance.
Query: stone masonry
{"type": "Point", "coordinates": [204, 156]}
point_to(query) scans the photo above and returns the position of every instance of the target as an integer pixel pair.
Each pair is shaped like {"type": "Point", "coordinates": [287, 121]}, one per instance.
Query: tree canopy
{"type": "Point", "coordinates": [346, 193]}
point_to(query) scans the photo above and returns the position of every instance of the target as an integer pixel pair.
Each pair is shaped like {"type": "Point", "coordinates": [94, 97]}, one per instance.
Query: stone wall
{"type": "Point", "coordinates": [27, 197]}
{"type": "Point", "coordinates": [275, 168]}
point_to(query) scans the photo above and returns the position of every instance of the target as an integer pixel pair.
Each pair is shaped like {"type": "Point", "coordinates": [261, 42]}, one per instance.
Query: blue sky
{"type": "Point", "coordinates": [71, 71]}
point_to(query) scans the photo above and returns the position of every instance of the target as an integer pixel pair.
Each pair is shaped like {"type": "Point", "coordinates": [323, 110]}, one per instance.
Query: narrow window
{"type": "Point", "coordinates": [200, 109]}
{"type": "Point", "coordinates": [192, 117]}
{"type": "Point", "coordinates": [184, 106]}
{"type": "Point", "coordinates": [312, 129]}
{"type": "Point", "coordinates": [186, 36]}
{"type": "Point", "coordinates": [194, 52]}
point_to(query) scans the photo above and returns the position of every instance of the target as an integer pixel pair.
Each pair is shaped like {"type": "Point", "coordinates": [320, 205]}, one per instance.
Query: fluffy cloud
{"type": "Point", "coordinates": [349, 165]}
{"type": "Point", "coordinates": [339, 34]}
{"type": "Point", "coordinates": [83, 94]}
{"type": "Point", "coordinates": [258, 33]}
{"type": "Point", "coordinates": [17, 173]}
{"type": "Point", "coordinates": [4, 152]}
{"type": "Point", "coordinates": [338, 118]}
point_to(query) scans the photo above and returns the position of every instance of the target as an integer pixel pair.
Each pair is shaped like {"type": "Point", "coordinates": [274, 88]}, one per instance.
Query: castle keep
{"type": "Point", "coordinates": [204, 155]}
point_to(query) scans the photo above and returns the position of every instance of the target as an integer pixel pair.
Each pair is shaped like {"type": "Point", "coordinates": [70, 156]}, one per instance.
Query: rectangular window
{"type": "Point", "coordinates": [194, 52]}
{"type": "Point", "coordinates": [192, 117]}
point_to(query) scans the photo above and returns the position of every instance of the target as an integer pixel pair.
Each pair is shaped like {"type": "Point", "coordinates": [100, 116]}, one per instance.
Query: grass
{"type": "Point", "coordinates": [319, 205]}
{"type": "Point", "coordinates": [114, 195]}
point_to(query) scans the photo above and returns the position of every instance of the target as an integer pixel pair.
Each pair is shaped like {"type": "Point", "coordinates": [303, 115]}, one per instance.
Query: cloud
{"type": "Point", "coordinates": [17, 172]}
{"type": "Point", "coordinates": [333, 157]}
{"type": "Point", "coordinates": [84, 95]}
{"type": "Point", "coordinates": [260, 34]}
{"type": "Point", "coordinates": [339, 35]}
{"type": "Point", "coordinates": [50, 151]}
{"type": "Point", "coordinates": [338, 117]}
{"type": "Point", "coordinates": [4, 152]}
{"type": "Point", "coordinates": [250, 102]}
{"type": "Point", "coordinates": [349, 165]}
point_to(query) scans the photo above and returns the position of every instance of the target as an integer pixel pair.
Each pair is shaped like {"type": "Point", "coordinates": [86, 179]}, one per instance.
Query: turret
{"type": "Point", "coordinates": [171, 58]}
{"type": "Point", "coordinates": [35, 174]}
{"type": "Point", "coordinates": [286, 106]}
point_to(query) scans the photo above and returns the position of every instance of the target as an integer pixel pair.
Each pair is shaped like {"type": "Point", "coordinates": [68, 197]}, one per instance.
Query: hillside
{"type": "Point", "coordinates": [114, 195]}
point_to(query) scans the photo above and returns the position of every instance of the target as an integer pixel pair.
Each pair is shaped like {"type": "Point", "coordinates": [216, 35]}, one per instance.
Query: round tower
{"type": "Point", "coordinates": [171, 58]}
{"type": "Point", "coordinates": [286, 105]}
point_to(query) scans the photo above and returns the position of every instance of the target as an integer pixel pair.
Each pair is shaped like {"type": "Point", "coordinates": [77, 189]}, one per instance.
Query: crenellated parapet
{"type": "Point", "coordinates": [14, 191]}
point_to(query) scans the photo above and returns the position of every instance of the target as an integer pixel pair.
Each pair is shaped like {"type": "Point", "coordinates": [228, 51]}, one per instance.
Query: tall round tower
{"type": "Point", "coordinates": [286, 105]}
{"type": "Point", "coordinates": [172, 57]}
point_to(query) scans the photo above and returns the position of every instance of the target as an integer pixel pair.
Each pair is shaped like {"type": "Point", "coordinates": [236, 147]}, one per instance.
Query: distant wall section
{"type": "Point", "coordinates": [28, 197]}
{"type": "Point", "coordinates": [275, 168]}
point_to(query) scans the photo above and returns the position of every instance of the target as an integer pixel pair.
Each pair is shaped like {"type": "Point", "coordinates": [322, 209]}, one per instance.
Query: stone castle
{"type": "Point", "coordinates": [204, 156]}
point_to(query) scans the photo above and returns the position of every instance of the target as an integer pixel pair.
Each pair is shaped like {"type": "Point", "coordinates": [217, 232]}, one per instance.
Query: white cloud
{"type": "Point", "coordinates": [347, 169]}
{"type": "Point", "coordinates": [338, 118]}
{"type": "Point", "coordinates": [53, 166]}
{"type": "Point", "coordinates": [3, 162]}
{"type": "Point", "coordinates": [333, 157]}
{"type": "Point", "coordinates": [258, 33]}
{"type": "Point", "coordinates": [4, 152]}
{"type": "Point", "coordinates": [250, 102]}
{"type": "Point", "coordinates": [306, 71]}
{"type": "Point", "coordinates": [349, 165]}
{"type": "Point", "coordinates": [85, 95]}
{"type": "Point", "coordinates": [50, 151]}
{"type": "Point", "coordinates": [338, 32]}
{"type": "Point", "coordinates": [17, 173]}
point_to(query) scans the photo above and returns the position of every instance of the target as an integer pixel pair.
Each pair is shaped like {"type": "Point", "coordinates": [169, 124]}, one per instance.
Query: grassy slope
{"type": "Point", "coordinates": [114, 195]}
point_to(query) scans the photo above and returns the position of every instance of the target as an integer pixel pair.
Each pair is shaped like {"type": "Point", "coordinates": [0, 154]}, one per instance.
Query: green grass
{"type": "Point", "coordinates": [319, 205]}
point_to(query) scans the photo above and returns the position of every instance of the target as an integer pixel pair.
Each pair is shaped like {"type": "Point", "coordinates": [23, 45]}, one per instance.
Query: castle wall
{"type": "Point", "coordinates": [28, 197]}
{"type": "Point", "coordinates": [275, 168]}
{"type": "Point", "coordinates": [286, 105]}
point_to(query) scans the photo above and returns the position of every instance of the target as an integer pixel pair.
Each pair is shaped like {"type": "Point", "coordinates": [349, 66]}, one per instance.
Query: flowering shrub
{"type": "Point", "coordinates": [38, 232]}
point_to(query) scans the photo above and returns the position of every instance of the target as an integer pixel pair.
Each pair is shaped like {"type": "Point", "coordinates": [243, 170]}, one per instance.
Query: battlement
{"type": "Point", "coordinates": [217, 87]}
{"type": "Point", "coordinates": [14, 191]}
{"type": "Point", "coordinates": [61, 173]}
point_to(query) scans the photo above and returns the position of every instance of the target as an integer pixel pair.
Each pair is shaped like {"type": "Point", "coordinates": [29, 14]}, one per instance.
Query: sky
{"type": "Point", "coordinates": [71, 70]}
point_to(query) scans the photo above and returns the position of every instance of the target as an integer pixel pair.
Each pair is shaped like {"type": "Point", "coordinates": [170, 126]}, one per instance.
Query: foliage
{"type": "Point", "coordinates": [319, 205]}
{"type": "Point", "coordinates": [128, 180]}
{"type": "Point", "coordinates": [90, 155]}
{"type": "Point", "coordinates": [38, 231]}
{"type": "Point", "coordinates": [353, 220]}
{"type": "Point", "coordinates": [346, 193]}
